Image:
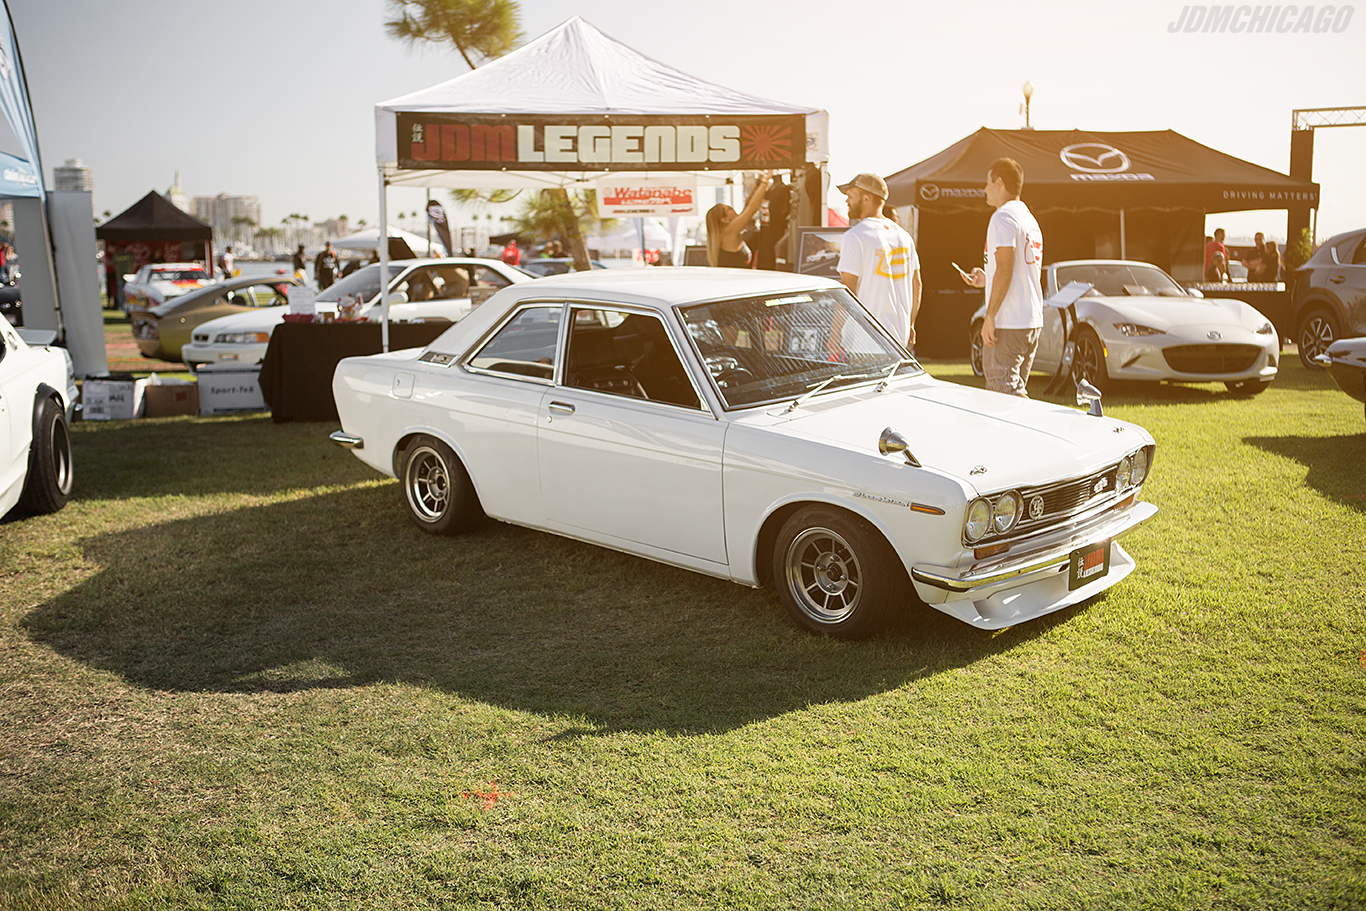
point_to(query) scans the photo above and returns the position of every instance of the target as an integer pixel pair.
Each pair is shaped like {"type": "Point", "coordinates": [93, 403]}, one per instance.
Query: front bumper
{"type": "Point", "coordinates": [1016, 587]}
{"type": "Point", "coordinates": [196, 353]}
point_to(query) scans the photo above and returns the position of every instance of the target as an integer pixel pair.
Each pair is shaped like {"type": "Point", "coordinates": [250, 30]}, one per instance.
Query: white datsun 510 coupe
{"type": "Point", "coordinates": [755, 426]}
{"type": "Point", "coordinates": [37, 396]}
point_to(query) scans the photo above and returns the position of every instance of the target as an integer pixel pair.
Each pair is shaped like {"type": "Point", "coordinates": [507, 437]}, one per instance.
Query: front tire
{"type": "Point", "coordinates": [437, 490]}
{"type": "Point", "coordinates": [1089, 360]}
{"type": "Point", "coordinates": [1317, 331]}
{"type": "Point", "coordinates": [836, 575]}
{"type": "Point", "coordinates": [975, 346]}
{"type": "Point", "coordinates": [47, 487]}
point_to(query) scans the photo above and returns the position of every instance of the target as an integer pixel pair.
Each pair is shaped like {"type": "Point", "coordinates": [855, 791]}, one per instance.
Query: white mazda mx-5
{"type": "Point", "coordinates": [37, 397]}
{"type": "Point", "coordinates": [755, 426]}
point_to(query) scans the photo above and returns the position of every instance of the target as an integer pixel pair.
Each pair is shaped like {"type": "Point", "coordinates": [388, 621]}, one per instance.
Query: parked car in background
{"type": "Point", "coordinates": [156, 283]}
{"type": "Point", "coordinates": [37, 396]}
{"type": "Point", "coordinates": [756, 426]}
{"type": "Point", "coordinates": [1345, 359]}
{"type": "Point", "coordinates": [164, 329]}
{"type": "Point", "coordinates": [1137, 323]}
{"type": "Point", "coordinates": [419, 289]}
{"type": "Point", "coordinates": [11, 303]}
{"type": "Point", "coordinates": [1329, 297]}
{"type": "Point", "coordinates": [554, 266]}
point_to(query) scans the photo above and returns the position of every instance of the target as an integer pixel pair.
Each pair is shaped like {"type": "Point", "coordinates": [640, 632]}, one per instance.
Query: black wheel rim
{"type": "Point", "coordinates": [1086, 365]}
{"type": "Point", "coordinates": [427, 484]}
{"type": "Point", "coordinates": [824, 575]}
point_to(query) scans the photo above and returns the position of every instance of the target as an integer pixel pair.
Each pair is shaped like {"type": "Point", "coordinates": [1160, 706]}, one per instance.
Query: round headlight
{"type": "Point", "coordinates": [1124, 474]}
{"type": "Point", "coordinates": [1006, 512]}
{"type": "Point", "coordinates": [979, 520]}
{"type": "Point", "coordinates": [1140, 467]}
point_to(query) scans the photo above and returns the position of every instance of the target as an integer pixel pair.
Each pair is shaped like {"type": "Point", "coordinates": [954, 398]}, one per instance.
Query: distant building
{"type": "Point", "coordinates": [333, 228]}
{"type": "Point", "coordinates": [177, 196]}
{"type": "Point", "coordinates": [234, 218]}
{"type": "Point", "coordinates": [73, 175]}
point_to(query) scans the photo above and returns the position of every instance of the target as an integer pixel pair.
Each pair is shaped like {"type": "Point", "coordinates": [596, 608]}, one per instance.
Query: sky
{"type": "Point", "coordinates": [275, 99]}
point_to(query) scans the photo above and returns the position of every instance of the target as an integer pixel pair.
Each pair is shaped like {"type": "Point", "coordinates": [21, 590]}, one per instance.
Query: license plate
{"type": "Point", "coordinates": [1088, 564]}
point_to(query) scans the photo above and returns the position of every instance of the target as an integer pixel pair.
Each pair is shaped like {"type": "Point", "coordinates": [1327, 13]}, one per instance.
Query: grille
{"type": "Point", "coordinates": [1067, 498]}
{"type": "Point", "coordinates": [1211, 358]}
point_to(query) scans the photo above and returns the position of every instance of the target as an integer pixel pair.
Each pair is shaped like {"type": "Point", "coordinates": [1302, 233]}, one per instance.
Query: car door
{"type": "Point", "coordinates": [629, 455]}
{"type": "Point", "coordinates": [1347, 281]}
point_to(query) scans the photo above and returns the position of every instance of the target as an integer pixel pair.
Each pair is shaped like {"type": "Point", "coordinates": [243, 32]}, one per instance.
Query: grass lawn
{"type": "Point", "coordinates": [233, 675]}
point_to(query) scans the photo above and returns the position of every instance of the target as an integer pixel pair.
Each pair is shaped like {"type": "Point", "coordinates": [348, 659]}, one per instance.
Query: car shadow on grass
{"type": "Point", "coordinates": [1333, 463]}
{"type": "Point", "coordinates": [340, 590]}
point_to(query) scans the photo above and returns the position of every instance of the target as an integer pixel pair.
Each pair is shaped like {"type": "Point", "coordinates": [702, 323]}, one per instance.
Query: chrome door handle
{"type": "Point", "coordinates": [562, 407]}
{"type": "Point", "coordinates": [1337, 279]}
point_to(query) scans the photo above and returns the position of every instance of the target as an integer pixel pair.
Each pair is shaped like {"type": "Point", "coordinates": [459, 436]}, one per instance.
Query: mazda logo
{"type": "Point", "coordinates": [929, 192]}
{"type": "Point", "coordinates": [1094, 158]}
{"type": "Point", "coordinates": [1214, 336]}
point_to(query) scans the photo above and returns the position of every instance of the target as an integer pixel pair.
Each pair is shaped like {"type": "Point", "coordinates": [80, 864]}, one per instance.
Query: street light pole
{"type": "Point", "coordinates": [1028, 94]}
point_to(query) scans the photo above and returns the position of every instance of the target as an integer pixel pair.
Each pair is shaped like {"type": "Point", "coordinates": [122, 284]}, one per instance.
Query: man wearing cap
{"type": "Point", "coordinates": [878, 262]}
{"type": "Point", "coordinates": [1013, 282]}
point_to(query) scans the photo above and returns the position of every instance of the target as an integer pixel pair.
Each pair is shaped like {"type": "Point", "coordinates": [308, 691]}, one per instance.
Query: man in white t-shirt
{"type": "Point", "coordinates": [878, 262]}
{"type": "Point", "coordinates": [1014, 262]}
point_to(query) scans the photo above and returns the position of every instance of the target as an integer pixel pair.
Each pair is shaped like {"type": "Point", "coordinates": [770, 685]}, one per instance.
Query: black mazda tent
{"type": "Point", "coordinates": [1141, 195]}
{"type": "Point", "coordinates": [152, 230]}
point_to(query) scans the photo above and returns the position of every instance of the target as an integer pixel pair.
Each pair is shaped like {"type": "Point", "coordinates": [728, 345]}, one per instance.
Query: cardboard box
{"type": "Point", "coordinates": [225, 388]}
{"type": "Point", "coordinates": [113, 399]}
{"type": "Point", "coordinates": [164, 399]}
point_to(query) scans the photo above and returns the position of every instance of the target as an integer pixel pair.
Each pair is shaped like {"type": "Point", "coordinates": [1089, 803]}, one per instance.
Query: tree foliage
{"type": "Point", "coordinates": [479, 30]}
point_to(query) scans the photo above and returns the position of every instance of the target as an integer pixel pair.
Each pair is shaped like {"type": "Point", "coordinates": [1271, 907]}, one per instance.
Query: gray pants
{"type": "Point", "coordinates": [1007, 363]}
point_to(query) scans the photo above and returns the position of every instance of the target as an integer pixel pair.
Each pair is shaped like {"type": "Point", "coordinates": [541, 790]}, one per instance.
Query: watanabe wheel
{"type": "Point", "coordinates": [47, 487]}
{"type": "Point", "coordinates": [437, 489]}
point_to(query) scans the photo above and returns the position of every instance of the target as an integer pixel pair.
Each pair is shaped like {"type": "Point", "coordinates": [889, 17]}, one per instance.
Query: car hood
{"type": "Point", "coordinates": [1172, 312]}
{"type": "Point", "coordinates": [260, 319]}
{"type": "Point", "coordinates": [987, 440]}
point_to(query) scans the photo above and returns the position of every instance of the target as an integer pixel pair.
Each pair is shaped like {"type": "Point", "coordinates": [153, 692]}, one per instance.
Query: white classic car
{"type": "Point", "coordinates": [755, 426]}
{"type": "Point", "coordinates": [156, 283]}
{"type": "Point", "coordinates": [444, 288]}
{"type": "Point", "coordinates": [37, 395]}
{"type": "Point", "coordinates": [1137, 323]}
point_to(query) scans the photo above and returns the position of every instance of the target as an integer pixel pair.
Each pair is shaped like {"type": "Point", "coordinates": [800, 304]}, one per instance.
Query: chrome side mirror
{"type": "Point", "coordinates": [1323, 360]}
{"type": "Point", "coordinates": [1195, 292]}
{"type": "Point", "coordinates": [1088, 395]}
{"type": "Point", "coordinates": [892, 442]}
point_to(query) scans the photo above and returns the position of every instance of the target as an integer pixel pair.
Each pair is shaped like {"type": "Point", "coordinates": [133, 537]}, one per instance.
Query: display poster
{"type": "Point", "coordinates": [646, 197]}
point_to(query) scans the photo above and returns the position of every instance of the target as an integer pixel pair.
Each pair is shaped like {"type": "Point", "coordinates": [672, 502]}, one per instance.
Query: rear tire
{"type": "Point", "coordinates": [836, 575]}
{"type": "Point", "coordinates": [1318, 329]}
{"type": "Point", "coordinates": [975, 346]}
{"type": "Point", "coordinates": [47, 487]}
{"type": "Point", "coordinates": [437, 490]}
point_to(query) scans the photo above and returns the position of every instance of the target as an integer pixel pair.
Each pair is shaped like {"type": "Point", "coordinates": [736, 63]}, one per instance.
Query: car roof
{"type": "Point", "coordinates": [159, 267]}
{"type": "Point", "coordinates": [1101, 262]}
{"type": "Point", "coordinates": [674, 285]}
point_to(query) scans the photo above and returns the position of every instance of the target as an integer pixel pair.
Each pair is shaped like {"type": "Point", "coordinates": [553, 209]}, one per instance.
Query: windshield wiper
{"type": "Point", "coordinates": [797, 402]}
{"type": "Point", "coordinates": [882, 386]}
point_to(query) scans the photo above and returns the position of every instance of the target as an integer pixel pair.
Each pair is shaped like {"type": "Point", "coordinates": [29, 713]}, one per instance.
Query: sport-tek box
{"type": "Point", "coordinates": [113, 399]}
{"type": "Point", "coordinates": [230, 387]}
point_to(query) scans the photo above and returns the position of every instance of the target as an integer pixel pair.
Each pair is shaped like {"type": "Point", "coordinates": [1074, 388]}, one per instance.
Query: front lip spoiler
{"type": "Point", "coordinates": [346, 440]}
{"type": "Point", "coordinates": [1038, 564]}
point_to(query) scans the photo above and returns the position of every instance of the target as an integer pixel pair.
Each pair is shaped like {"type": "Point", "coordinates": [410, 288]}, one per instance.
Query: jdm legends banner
{"type": "Point", "coordinates": [644, 196]}
{"type": "Point", "coordinates": [627, 142]}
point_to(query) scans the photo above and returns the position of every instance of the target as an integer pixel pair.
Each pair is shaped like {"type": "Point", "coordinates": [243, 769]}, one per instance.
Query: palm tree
{"type": "Point", "coordinates": [555, 213]}
{"type": "Point", "coordinates": [478, 29]}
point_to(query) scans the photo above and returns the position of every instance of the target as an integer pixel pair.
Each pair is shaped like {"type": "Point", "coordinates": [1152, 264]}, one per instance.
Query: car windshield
{"type": "Point", "coordinates": [364, 281]}
{"type": "Point", "coordinates": [767, 349]}
{"type": "Point", "coordinates": [1120, 279]}
{"type": "Point", "coordinates": [179, 275]}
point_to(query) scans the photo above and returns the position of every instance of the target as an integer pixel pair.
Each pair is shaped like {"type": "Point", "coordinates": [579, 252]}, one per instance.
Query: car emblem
{"type": "Point", "coordinates": [1102, 484]}
{"type": "Point", "coordinates": [1036, 508]}
{"type": "Point", "coordinates": [1094, 158]}
{"type": "Point", "coordinates": [929, 192]}
{"type": "Point", "coordinates": [1215, 336]}
{"type": "Point", "coordinates": [980, 469]}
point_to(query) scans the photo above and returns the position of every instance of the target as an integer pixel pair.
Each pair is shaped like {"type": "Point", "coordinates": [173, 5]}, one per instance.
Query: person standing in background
{"type": "Point", "coordinates": [325, 267]}
{"type": "Point", "coordinates": [1013, 282]}
{"type": "Point", "coordinates": [299, 262]}
{"type": "Point", "coordinates": [878, 262]}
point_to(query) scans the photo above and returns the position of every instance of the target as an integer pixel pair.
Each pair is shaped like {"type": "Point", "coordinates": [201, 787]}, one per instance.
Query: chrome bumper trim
{"type": "Point", "coordinates": [346, 440]}
{"type": "Point", "coordinates": [1037, 564]}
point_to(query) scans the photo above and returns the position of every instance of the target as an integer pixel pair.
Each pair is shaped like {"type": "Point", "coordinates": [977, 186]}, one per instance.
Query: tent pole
{"type": "Point", "coordinates": [383, 262]}
{"type": "Point", "coordinates": [1123, 249]}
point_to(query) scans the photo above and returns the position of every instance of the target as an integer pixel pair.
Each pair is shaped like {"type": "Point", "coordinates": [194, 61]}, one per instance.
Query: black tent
{"type": "Point", "coordinates": [1140, 195]}
{"type": "Point", "coordinates": [152, 230]}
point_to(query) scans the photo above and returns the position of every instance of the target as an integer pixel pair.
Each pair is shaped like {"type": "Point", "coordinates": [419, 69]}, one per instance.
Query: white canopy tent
{"type": "Point", "coordinates": [369, 239]}
{"type": "Point", "coordinates": [575, 105]}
